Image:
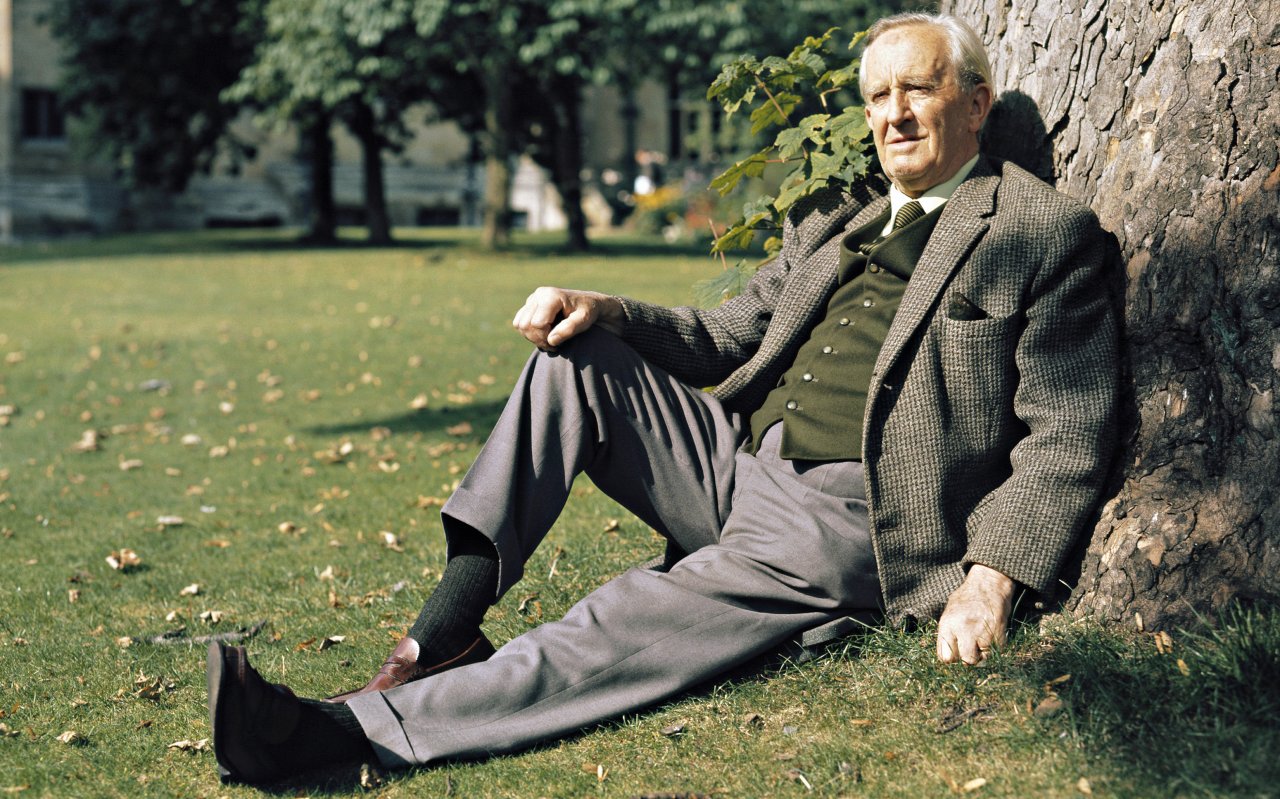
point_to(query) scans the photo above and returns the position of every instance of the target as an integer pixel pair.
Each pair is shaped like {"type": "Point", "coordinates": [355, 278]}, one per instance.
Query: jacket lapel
{"type": "Point", "coordinates": [963, 221]}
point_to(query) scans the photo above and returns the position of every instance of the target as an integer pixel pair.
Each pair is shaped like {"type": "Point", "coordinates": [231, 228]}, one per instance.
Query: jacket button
{"type": "Point", "coordinates": [792, 405]}
{"type": "Point", "coordinates": [827, 350]}
{"type": "Point", "coordinates": [844, 321]}
{"type": "Point", "coordinates": [807, 377]}
{"type": "Point", "coordinates": [873, 269]}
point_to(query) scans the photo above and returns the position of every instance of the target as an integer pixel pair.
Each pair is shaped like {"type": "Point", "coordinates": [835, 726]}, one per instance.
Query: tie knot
{"type": "Point", "coordinates": [907, 214]}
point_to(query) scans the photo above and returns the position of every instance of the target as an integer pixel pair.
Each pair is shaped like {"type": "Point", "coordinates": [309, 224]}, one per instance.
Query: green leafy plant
{"type": "Point", "coordinates": [828, 148]}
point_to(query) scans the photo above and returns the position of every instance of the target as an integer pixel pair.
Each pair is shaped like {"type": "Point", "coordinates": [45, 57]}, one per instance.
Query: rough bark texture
{"type": "Point", "coordinates": [1164, 118]}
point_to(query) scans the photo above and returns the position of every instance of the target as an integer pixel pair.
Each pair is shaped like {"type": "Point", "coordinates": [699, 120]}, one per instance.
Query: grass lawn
{"type": "Point", "coordinates": [270, 430]}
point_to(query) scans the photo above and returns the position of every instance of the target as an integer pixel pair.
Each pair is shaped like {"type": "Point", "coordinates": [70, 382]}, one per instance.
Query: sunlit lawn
{"type": "Point", "coordinates": [271, 430]}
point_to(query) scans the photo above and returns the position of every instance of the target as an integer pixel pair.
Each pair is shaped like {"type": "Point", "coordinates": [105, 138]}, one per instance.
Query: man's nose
{"type": "Point", "coordinates": [898, 108]}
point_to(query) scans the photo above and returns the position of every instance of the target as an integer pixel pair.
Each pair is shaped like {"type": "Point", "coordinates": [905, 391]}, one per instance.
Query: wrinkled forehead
{"type": "Point", "coordinates": [916, 54]}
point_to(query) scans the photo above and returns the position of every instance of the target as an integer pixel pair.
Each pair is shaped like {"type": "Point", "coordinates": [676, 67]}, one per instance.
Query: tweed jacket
{"type": "Point", "coordinates": [989, 418]}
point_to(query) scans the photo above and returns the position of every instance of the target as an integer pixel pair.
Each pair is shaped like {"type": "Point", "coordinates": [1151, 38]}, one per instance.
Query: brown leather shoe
{"type": "Point", "coordinates": [246, 713]}
{"type": "Point", "coordinates": [402, 666]}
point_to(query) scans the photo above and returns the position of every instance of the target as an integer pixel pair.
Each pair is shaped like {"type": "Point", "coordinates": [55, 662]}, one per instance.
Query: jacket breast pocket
{"type": "Point", "coordinates": [976, 378]}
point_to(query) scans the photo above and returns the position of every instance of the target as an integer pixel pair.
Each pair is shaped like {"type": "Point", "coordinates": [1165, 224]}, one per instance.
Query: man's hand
{"type": "Point", "coordinates": [976, 617]}
{"type": "Point", "coordinates": [552, 316]}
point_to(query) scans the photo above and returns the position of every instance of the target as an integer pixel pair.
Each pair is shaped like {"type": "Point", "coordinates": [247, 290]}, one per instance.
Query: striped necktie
{"type": "Point", "coordinates": [907, 214]}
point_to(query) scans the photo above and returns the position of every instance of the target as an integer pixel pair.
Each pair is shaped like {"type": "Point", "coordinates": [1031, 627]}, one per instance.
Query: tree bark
{"type": "Point", "coordinates": [377, 220]}
{"type": "Point", "coordinates": [1162, 117]}
{"type": "Point", "coordinates": [322, 217]}
{"type": "Point", "coordinates": [497, 140]}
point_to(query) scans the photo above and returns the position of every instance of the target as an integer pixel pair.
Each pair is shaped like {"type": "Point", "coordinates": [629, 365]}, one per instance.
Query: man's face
{"type": "Point", "coordinates": [924, 124]}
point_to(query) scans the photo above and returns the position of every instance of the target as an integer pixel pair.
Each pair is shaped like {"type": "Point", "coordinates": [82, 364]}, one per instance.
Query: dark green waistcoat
{"type": "Point", "coordinates": [822, 397]}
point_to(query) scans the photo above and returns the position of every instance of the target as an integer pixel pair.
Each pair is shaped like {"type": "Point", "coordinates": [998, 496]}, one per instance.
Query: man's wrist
{"type": "Point", "coordinates": [611, 315]}
{"type": "Point", "coordinates": [991, 579]}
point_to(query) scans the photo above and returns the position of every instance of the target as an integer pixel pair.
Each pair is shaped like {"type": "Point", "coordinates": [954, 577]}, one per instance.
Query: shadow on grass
{"type": "Point", "coordinates": [1198, 715]}
{"type": "Point", "coordinates": [482, 416]}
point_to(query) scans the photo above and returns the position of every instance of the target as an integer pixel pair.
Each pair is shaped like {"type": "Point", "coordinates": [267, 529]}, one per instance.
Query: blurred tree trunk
{"type": "Point", "coordinates": [567, 159]}
{"type": "Point", "coordinates": [365, 128]}
{"type": "Point", "coordinates": [498, 142]}
{"type": "Point", "coordinates": [1163, 118]}
{"type": "Point", "coordinates": [322, 221]}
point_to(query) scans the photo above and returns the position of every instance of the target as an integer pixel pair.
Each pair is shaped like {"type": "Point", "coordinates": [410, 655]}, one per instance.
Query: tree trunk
{"type": "Point", "coordinates": [322, 217]}
{"type": "Point", "coordinates": [1162, 117]}
{"type": "Point", "coordinates": [499, 152]}
{"type": "Point", "coordinates": [366, 132]}
{"type": "Point", "coordinates": [568, 161]}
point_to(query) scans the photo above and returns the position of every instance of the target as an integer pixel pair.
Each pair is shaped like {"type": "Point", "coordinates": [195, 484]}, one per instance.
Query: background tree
{"type": "Point", "coordinates": [147, 78]}
{"type": "Point", "coordinates": [358, 61]}
{"type": "Point", "coordinates": [1162, 117]}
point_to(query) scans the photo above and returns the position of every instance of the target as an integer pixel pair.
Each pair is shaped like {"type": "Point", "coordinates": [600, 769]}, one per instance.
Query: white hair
{"type": "Point", "coordinates": [968, 56]}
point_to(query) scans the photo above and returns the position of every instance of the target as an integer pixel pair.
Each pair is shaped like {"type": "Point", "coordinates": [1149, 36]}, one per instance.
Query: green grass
{"type": "Point", "coordinates": [279, 355]}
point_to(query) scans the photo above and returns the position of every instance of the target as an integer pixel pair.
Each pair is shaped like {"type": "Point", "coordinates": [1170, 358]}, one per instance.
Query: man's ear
{"type": "Point", "coordinates": [980, 106]}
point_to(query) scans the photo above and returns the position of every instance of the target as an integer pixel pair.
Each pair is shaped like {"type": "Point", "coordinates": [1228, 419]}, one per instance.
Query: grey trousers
{"type": "Point", "coordinates": [775, 547]}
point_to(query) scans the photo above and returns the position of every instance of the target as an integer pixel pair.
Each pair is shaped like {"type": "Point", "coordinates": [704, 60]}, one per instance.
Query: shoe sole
{"type": "Point", "coordinates": [216, 677]}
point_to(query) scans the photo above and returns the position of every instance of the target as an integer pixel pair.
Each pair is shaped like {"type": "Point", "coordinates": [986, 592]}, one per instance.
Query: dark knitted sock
{"type": "Point", "coordinates": [450, 619]}
{"type": "Point", "coordinates": [326, 734]}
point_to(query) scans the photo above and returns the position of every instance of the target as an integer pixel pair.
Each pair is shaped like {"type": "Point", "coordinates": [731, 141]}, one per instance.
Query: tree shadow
{"type": "Point", "coordinates": [482, 416]}
{"type": "Point", "coordinates": [1015, 132]}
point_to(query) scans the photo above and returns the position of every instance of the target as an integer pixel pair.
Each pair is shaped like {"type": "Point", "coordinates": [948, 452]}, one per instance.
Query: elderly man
{"type": "Point", "coordinates": [912, 415]}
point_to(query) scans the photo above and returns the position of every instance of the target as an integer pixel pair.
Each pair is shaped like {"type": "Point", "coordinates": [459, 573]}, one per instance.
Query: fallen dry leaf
{"type": "Point", "coordinates": [973, 785]}
{"type": "Point", "coordinates": [330, 642]}
{"type": "Point", "coordinates": [170, 521]}
{"type": "Point", "coordinates": [673, 731]}
{"type": "Point", "coordinates": [192, 440]}
{"type": "Point", "coordinates": [130, 465]}
{"type": "Point", "coordinates": [190, 590]}
{"type": "Point", "coordinates": [187, 745]}
{"type": "Point", "coordinates": [152, 688]}
{"type": "Point", "coordinates": [88, 442]}
{"type": "Point", "coordinates": [1048, 707]}
{"type": "Point", "coordinates": [72, 738]}
{"type": "Point", "coordinates": [391, 541]}
{"type": "Point", "coordinates": [211, 616]}
{"type": "Point", "coordinates": [287, 527]}
{"type": "Point", "coordinates": [1083, 786]}
{"type": "Point", "coordinates": [459, 429]}
{"type": "Point", "coordinates": [73, 595]}
{"type": "Point", "coordinates": [370, 778]}
{"type": "Point", "coordinates": [124, 560]}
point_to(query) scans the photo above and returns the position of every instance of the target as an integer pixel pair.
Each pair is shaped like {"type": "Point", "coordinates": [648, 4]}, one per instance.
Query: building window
{"type": "Point", "coordinates": [42, 117]}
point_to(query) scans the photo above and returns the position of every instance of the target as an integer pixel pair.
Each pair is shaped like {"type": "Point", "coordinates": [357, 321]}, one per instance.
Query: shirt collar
{"type": "Point", "coordinates": [933, 198]}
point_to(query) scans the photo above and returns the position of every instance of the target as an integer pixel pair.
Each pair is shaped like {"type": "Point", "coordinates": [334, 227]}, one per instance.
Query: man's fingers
{"type": "Point", "coordinates": [946, 647]}
{"type": "Point", "coordinates": [570, 326]}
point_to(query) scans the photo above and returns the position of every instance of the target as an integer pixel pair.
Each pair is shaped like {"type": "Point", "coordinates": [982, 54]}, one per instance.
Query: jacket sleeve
{"type": "Point", "coordinates": [704, 346]}
{"type": "Point", "coordinates": [1068, 366]}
